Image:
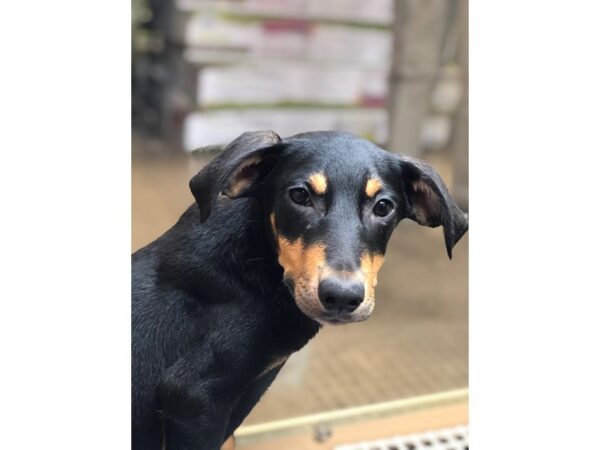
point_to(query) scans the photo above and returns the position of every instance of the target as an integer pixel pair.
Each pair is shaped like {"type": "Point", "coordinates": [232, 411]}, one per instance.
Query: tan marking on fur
{"type": "Point", "coordinates": [373, 187]}
{"type": "Point", "coordinates": [272, 217]}
{"type": "Point", "coordinates": [330, 272]}
{"type": "Point", "coordinates": [428, 203]}
{"type": "Point", "coordinates": [290, 256]}
{"type": "Point", "coordinates": [273, 364]}
{"type": "Point", "coordinates": [318, 183]}
{"type": "Point", "coordinates": [303, 265]}
{"type": "Point", "coordinates": [239, 184]}
{"type": "Point", "coordinates": [229, 444]}
{"type": "Point", "coordinates": [370, 265]}
{"type": "Point", "coordinates": [299, 261]}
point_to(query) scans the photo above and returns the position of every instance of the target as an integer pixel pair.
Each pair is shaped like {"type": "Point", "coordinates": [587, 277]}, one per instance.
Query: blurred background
{"type": "Point", "coordinates": [394, 72]}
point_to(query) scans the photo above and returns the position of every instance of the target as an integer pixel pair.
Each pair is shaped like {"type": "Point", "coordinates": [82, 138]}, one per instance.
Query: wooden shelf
{"type": "Point", "coordinates": [242, 10]}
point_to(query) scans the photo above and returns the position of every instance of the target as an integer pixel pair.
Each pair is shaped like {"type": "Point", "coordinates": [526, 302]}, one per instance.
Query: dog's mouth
{"type": "Point", "coordinates": [342, 319]}
{"type": "Point", "coordinates": [335, 320]}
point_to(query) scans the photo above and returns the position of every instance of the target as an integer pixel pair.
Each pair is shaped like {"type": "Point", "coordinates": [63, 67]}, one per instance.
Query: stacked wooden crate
{"type": "Point", "coordinates": [287, 65]}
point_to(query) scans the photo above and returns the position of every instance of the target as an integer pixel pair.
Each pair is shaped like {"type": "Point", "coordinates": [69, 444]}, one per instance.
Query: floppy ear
{"type": "Point", "coordinates": [429, 202]}
{"type": "Point", "coordinates": [237, 170]}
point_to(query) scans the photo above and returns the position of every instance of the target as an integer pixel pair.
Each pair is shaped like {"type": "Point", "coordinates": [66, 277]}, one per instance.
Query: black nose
{"type": "Point", "coordinates": [339, 295]}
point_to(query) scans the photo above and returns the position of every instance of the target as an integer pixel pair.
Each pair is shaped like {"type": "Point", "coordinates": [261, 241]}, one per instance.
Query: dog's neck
{"type": "Point", "coordinates": [235, 240]}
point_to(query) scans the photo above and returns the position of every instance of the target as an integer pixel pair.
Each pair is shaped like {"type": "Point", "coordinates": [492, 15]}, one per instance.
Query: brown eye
{"type": "Point", "coordinates": [383, 208]}
{"type": "Point", "coordinates": [300, 196]}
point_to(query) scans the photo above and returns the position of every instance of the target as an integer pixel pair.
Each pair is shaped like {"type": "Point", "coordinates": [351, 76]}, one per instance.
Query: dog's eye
{"type": "Point", "coordinates": [383, 208]}
{"type": "Point", "coordinates": [300, 196]}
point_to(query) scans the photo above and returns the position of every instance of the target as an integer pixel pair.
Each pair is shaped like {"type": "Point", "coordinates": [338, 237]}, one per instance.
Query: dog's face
{"type": "Point", "coordinates": [332, 201]}
{"type": "Point", "coordinates": [333, 213]}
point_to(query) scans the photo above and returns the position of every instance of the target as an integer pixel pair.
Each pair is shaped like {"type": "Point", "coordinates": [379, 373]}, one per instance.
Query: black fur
{"type": "Point", "coordinates": [211, 315]}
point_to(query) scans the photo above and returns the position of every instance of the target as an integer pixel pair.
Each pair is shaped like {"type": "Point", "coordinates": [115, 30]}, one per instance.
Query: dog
{"type": "Point", "coordinates": [285, 236]}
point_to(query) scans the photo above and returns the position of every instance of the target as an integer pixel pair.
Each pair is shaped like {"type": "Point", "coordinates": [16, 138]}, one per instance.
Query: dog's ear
{"type": "Point", "coordinates": [237, 171]}
{"type": "Point", "coordinates": [429, 202]}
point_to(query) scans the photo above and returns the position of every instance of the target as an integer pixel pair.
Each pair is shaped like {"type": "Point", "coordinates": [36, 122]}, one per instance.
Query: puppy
{"type": "Point", "coordinates": [286, 235]}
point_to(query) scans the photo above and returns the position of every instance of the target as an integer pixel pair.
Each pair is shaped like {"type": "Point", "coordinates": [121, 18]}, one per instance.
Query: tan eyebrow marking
{"type": "Point", "coordinates": [373, 187]}
{"type": "Point", "coordinates": [318, 182]}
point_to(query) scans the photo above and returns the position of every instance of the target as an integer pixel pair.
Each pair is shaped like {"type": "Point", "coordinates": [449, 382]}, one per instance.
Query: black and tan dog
{"type": "Point", "coordinates": [286, 235]}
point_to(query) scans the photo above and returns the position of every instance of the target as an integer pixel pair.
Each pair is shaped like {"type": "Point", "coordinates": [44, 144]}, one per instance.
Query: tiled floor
{"type": "Point", "coordinates": [414, 343]}
{"type": "Point", "coordinates": [381, 433]}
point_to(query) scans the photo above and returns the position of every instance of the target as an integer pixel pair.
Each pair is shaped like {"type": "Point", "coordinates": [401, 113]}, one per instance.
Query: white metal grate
{"type": "Point", "coordinates": [456, 438]}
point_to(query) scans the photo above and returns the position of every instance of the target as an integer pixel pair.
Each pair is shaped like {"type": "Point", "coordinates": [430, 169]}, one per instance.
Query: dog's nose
{"type": "Point", "coordinates": [339, 295]}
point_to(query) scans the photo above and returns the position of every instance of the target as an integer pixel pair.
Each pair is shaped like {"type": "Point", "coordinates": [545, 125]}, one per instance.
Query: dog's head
{"type": "Point", "coordinates": [331, 203]}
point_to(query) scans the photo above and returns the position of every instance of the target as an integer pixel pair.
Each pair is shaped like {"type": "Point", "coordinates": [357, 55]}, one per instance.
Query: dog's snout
{"type": "Point", "coordinates": [340, 296]}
